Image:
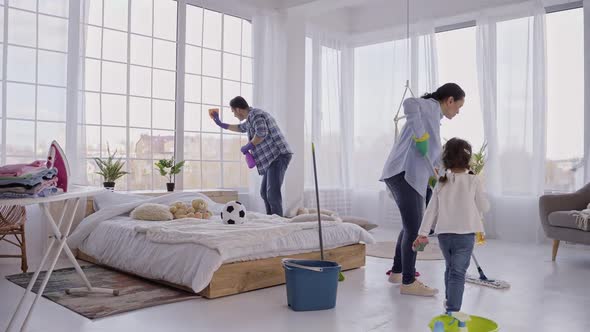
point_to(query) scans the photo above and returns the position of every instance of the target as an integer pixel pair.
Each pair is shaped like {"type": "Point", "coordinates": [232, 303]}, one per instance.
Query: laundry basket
{"type": "Point", "coordinates": [476, 324]}
{"type": "Point", "coordinates": [311, 284]}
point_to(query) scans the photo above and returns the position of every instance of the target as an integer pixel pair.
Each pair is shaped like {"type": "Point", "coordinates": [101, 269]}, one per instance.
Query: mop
{"type": "Point", "coordinates": [482, 280]}
{"type": "Point", "coordinates": [317, 197]}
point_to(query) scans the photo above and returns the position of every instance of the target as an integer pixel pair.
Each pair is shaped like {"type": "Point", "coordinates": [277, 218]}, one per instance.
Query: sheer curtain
{"type": "Point", "coordinates": [511, 69]}
{"type": "Point", "coordinates": [424, 61]}
{"type": "Point", "coordinates": [328, 68]}
{"type": "Point", "coordinates": [380, 73]}
{"type": "Point", "coordinates": [269, 50]}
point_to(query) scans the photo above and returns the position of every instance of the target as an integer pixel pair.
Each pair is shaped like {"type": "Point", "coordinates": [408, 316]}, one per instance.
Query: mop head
{"type": "Point", "coordinates": [493, 283]}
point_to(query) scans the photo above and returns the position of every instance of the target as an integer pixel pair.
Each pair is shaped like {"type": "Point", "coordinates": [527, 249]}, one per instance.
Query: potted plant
{"type": "Point", "coordinates": [168, 167]}
{"type": "Point", "coordinates": [478, 159]}
{"type": "Point", "coordinates": [110, 169]}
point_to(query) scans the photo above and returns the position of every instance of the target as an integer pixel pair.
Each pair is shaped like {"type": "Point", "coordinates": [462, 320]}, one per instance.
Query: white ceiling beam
{"type": "Point", "coordinates": [317, 7]}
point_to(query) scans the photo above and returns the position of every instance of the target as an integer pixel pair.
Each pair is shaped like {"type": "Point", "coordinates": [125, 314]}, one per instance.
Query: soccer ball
{"type": "Point", "coordinates": [233, 213]}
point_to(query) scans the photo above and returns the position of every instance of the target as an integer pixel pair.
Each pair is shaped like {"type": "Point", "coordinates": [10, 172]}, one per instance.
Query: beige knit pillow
{"type": "Point", "coordinates": [362, 222]}
{"type": "Point", "coordinates": [152, 212]}
{"type": "Point", "coordinates": [313, 217]}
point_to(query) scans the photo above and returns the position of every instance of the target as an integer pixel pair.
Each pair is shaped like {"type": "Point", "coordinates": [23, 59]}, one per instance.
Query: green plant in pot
{"type": "Point", "coordinates": [169, 168]}
{"type": "Point", "coordinates": [110, 168]}
{"type": "Point", "coordinates": [478, 159]}
{"type": "Point", "coordinates": [477, 163]}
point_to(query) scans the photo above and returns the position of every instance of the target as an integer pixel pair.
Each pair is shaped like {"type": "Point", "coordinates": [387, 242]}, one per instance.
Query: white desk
{"type": "Point", "coordinates": [72, 200]}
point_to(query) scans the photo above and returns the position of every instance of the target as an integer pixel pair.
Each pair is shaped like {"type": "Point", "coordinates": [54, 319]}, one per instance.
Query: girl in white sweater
{"type": "Point", "coordinates": [457, 205]}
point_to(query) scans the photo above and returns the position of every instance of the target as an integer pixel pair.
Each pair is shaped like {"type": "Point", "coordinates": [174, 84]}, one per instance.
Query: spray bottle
{"type": "Point", "coordinates": [439, 326]}
{"type": "Point", "coordinates": [250, 160]}
{"type": "Point", "coordinates": [462, 319]}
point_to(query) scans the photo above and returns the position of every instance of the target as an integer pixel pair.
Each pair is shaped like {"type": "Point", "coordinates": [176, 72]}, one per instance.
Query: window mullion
{"type": "Point", "coordinates": [180, 78]}
{"type": "Point", "coordinates": [127, 99]}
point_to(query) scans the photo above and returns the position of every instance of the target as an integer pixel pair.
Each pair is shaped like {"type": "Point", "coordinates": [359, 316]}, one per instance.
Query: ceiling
{"type": "Point", "coordinates": [365, 16]}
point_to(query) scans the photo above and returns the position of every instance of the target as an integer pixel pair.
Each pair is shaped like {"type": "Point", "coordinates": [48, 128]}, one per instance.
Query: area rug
{"type": "Point", "coordinates": [135, 293]}
{"type": "Point", "coordinates": [385, 249]}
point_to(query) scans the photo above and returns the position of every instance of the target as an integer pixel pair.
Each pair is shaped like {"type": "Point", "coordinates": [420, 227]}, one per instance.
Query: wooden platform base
{"type": "Point", "coordinates": [240, 277]}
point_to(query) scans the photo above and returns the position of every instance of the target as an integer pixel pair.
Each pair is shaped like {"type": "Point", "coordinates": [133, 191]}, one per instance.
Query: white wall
{"type": "Point", "coordinates": [587, 87]}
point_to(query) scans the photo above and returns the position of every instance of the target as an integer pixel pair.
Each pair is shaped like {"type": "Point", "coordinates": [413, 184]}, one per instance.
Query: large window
{"type": "Point", "coordinates": [129, 90]}
{"type": "Point", "coordinates": [565, 98]}
{"type": "Point", "coordinates": [34, 77]}
{"type": "Point", "coordinates": [218, 67]}
{"type": "Point", "coordinates": [457, 63]}
{"type": "Point", "coordinates": [129, 86]}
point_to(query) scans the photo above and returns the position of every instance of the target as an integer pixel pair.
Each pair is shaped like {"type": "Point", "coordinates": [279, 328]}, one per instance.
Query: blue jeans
{"type": "Point", "coordinates": [272, 181]}
{"type": "Point", "coordinates": [457, 249]}
{"type": "Point", "coordinates": [411, 207]}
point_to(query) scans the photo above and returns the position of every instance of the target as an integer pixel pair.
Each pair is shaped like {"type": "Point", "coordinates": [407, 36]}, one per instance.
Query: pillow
{"type": "Point", "coordinates": [152, 212]}
{"type": "Point", "coordinates": [110, 198]}
{"type": "Point", "coordinates": [364, 223]}
{"type": "Point", "coordinates": [301, 211]}
{"type": "Point", "coordinates": [312, 217]}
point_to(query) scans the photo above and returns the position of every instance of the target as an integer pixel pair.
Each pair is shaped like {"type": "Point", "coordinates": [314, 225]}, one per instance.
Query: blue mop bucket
{"type": "Point", "coordinates": [311, 285]}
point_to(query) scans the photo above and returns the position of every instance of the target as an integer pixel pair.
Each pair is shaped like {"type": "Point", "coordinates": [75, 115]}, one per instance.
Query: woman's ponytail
{"type": "Point", "coordinates": [445, 91]}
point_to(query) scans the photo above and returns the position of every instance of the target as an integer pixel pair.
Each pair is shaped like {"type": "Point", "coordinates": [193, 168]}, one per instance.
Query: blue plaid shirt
{"type": "Point", "coordinates": [274, 144]}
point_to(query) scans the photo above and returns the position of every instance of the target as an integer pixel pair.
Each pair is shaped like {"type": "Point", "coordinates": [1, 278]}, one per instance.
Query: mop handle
{"type": "Point", "coordinates": [431, 165]}
{"type": "Point", "coordinates": [475, 260]}
{"type": "Point", "coordinates": [317, 197]}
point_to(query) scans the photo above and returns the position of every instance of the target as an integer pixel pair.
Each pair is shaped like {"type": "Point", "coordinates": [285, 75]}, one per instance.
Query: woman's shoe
{"type": "Point", "coordinates": [417, 288]}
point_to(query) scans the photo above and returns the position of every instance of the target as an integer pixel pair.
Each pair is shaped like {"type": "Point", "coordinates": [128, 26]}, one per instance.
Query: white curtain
{"type": "Point", "coordinates": [424, 59]}
{"type": "Point", "coordinates": [328, 120]}
{"type": "Point", "coordinates": [511, 69]}
{"type": "Point", "coordinates": [324, 120]}
{"type": "Point", "coordinates": [380, 74]}
{"type": "Point", "coordinates": [269, 51]}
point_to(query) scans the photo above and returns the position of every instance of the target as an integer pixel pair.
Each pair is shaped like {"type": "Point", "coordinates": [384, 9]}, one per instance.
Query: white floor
{"type": "Point", "coordinates": [545, 296]}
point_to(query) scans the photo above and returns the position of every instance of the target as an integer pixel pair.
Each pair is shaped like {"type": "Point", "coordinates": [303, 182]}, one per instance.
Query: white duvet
{"type": "Point", "coordinates": [188, 251]}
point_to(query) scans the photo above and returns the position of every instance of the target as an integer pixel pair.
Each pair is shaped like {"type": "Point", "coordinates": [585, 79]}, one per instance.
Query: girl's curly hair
{"type": "Point", "coordinates": [456, 154]}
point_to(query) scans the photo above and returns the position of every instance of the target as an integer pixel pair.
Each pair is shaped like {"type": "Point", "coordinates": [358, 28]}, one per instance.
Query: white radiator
{"type": "Point", "coordinates": [337, 200]}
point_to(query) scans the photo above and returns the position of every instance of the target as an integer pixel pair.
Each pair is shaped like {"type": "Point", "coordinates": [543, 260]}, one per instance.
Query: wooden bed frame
{"type": "Point", "coordinates": [240, 277]}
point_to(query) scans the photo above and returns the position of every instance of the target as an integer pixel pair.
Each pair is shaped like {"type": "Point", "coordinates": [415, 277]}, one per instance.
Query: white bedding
{"type": "Point", "coordinates": [127, 244]}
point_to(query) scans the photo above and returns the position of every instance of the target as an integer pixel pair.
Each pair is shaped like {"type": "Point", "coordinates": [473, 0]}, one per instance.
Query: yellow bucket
{"type": "Point", "coordinates": [476, 324]}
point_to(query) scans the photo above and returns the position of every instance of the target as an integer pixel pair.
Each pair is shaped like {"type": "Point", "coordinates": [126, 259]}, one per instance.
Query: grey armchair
{"type": "Point", "coordinates": [558, 224]}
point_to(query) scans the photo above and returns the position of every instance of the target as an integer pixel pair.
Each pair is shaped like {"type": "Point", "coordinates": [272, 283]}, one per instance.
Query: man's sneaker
{"type": "Point", "coordinates": [417, 288]}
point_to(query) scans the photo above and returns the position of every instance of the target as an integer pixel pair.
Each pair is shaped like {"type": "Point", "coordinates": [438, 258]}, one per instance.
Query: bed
{"type": "Point", "coordinates": [119, 242]}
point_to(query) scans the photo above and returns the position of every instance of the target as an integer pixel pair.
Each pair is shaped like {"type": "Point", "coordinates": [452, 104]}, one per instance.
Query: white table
{"type": "Point", "coordinates": [72, 199]}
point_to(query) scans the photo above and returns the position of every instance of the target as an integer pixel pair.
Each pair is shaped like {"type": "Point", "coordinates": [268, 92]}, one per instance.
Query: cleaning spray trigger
{"type": "Point", "coordinates": [462, 318]}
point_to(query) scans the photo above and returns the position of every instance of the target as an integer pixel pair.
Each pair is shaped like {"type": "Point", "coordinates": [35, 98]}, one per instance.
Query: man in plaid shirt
{"type": "Point", "coordinates": [266, 144]}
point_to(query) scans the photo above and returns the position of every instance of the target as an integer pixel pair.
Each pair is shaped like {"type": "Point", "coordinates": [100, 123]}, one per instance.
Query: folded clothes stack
{"type": "Point", "coordinates": [27, 180]}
